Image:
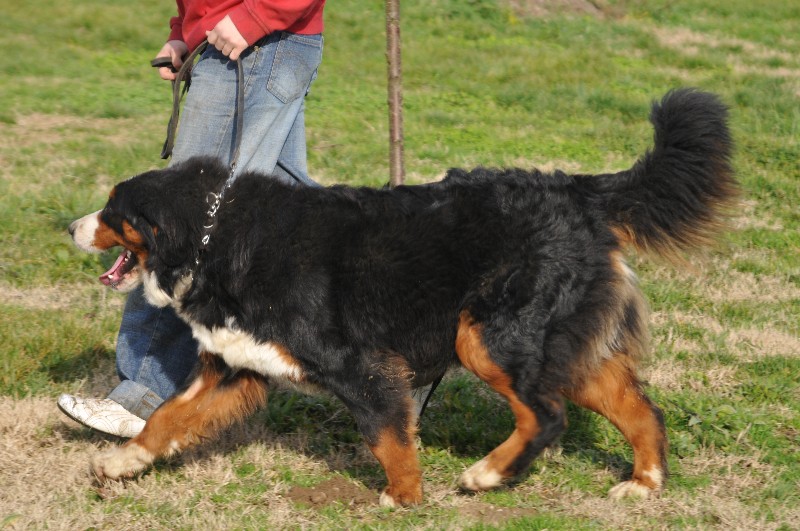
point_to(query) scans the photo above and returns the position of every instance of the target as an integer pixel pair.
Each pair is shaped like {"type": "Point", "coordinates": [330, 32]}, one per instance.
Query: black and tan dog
{"type": "Point", "coordinates": [518, 276]}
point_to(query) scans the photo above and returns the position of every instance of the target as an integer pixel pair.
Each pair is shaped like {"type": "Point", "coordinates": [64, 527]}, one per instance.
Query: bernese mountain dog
{"type": "Point", "coordinates": [518, 276]}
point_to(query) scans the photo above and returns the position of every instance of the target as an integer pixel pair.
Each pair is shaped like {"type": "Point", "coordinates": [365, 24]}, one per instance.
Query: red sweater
{"type": "Point", "coordinates": [253, 18]}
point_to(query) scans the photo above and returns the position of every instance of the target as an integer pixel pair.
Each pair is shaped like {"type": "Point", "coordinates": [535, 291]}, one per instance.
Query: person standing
{"type": "Point", "coordinates": [279, 44]}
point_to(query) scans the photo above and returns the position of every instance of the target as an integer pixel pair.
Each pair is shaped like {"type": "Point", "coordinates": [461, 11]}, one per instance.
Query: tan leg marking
{"type": "Point", "coordinates": [399, 461]}
{"type": "Point", "coordinates": [614, 392]}
{"type": "Point", "coordinates": [196, 414]}
{"type": "Point", "coordinates": [493, 469]}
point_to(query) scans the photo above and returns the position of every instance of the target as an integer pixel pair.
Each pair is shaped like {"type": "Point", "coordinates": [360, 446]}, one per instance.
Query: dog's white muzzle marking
{"type": "Point", "coordinates": [84, 230]}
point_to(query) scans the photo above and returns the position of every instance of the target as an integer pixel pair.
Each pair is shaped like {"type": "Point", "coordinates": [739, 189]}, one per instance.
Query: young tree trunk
{"type": "Point", "coordinates": [395, 84]}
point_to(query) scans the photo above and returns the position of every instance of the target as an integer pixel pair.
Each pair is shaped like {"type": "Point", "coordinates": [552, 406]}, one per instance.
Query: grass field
{"type": "Point", "coordinates": [562, 84]}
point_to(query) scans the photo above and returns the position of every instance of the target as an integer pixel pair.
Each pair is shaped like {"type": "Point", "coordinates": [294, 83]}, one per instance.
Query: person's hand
{"type": "Point", "coordinates": [176, 51]}
{"type": "Point", "coordinates": [227, 39]}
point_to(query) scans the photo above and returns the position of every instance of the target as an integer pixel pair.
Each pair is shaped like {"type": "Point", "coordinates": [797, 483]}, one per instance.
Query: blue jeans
{"type": "Point", "coordinates": [155, 349]}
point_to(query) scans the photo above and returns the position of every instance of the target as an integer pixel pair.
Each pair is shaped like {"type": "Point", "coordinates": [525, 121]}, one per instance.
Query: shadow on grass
{"type": "Point", "coordinates": [470, 420]}
{"type": "Point", "coordinates": [464, 417]}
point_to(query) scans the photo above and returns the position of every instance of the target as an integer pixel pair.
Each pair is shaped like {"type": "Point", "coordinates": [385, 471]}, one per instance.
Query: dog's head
{"type": "Point", "coordinates": [156, 218]}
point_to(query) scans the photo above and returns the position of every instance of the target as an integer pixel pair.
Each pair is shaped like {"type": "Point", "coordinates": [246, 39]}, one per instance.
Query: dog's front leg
{"type": "Point", "coordinates": [215, 399]}
{"type": "Point", "coordinates": [396, 451]}
{"type": "Point", "coordinates": [387, 419]}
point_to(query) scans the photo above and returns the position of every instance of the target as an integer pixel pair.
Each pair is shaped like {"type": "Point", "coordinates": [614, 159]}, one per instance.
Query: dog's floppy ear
{"type": "Point", "coordinates": [154, 206]}
{"type": "Point", "coordinates": [172, 237]}
{"type": "Point", "coordinates": [146, 231]}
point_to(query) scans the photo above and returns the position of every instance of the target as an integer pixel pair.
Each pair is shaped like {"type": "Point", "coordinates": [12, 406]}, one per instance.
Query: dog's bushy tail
{"type": "Point", "coordinates": [675, 197]}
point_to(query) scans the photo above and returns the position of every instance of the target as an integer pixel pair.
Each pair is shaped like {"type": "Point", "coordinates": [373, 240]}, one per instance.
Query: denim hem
{"type": "Point", "coordinates": [136, 398]}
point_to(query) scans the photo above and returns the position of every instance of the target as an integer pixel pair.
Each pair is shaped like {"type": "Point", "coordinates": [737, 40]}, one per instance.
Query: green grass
{"type": "Point", "coordinates": [483, 84]}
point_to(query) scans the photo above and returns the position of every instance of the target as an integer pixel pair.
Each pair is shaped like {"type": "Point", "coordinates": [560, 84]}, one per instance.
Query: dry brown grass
{"type": "Point", "coordinates": [744, 57]}
{"type": "Point", "coordinates": [544, 8]}
{"type": "Point", "coordinates": [57, 297]}
{"type": "Point", "coordinates": [46, 484]}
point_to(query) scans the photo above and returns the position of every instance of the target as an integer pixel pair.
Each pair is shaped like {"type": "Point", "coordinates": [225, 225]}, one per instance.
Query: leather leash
{"type": "Point", "coordinates": [184, 74]}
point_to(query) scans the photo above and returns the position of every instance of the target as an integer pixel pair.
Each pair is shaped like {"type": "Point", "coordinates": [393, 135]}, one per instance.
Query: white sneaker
{"type": "Point", "coordinates": [101, 414]}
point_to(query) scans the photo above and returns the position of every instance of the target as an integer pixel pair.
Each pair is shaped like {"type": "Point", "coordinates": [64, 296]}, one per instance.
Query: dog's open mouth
{"type": "Point", "coordinates": [120, 270]}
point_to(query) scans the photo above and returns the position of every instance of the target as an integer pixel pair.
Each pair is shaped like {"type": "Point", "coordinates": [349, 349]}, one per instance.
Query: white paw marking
{"type": "Point", "coordinates": [121, 462]}
{"type": "Point", "coordinates": [480, 477]}
{"type": "Point", "coordinates": [636, 489]}
{"type": "Point", "coordinates": [630, 489]}
{"type": "Point", "coordinates": [656, 475]}
{"type": "Point", "coordinates": [386, 500]}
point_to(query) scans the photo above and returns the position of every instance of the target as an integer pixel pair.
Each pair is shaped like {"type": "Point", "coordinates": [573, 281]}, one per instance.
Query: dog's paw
{"type": "Point", "coordinates": [631, 489]}
{"type": "Point", "coordinates": [121, 462]}
{"type": "Point", "coordinates": [387, 500]}
{"type": "Point", "coordinates": [648, 486]}
{"type": "Point", "coordinates": [392, 498]}
{"type": "Point", "coordinates": [480, 476]}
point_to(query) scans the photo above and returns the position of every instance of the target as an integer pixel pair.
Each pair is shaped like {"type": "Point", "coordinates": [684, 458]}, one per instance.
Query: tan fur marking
{"type": "Point", "coordinates": [131, 235]}
{"type": "Point", "coordinates": [287, 358]}
{"type": "Point", "coordinates": [615, 335]}
{"type": "Point", "coordinates": [618, 263]}
{"type": "Point", "coordinates": [197, 386]}
{"type": "Point", "coordinates": [624, 235]}
{"type": "Point", "coordinates": [399, 461]}
{"type": "Point", "coordinates": [202, 410]}
{"type": "Point", "coordinates": [475, 357]}
{"type": "Point", "coordinates": [614, 392]}
{"type": "Point", "coordinates": [105, 238]}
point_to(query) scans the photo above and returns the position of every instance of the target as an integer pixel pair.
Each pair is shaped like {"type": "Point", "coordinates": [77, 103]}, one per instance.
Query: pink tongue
{"type": "Point", "coordinates": [108, 277]}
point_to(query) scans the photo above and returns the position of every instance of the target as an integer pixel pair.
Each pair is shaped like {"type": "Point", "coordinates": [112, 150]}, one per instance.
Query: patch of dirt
{"type": "Point", "coordinates": [545, 8]}
{"type": "Point", "coordinates": [748, 343]}
{"type": "Point", "coordinates": [44, 483]}
{"type": "Point", "coordinates": [734, 473]}
{"type": "Point", "coordinates": [492, 515]}
{"type": "Point", "coordinates": [755, 343]}
{"type": "Point", "coordinates": [748, 217]}
{"type": "Point", "coordinates": [741, 287]}
{"type": "Point", "coordinates": [335, 490]}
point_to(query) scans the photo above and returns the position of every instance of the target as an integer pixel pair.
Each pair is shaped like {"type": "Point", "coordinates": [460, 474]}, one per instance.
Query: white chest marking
{"type": "Point", "coordinates": [241, 351]}
{"type": "Point", "coordinates": [153, 292]}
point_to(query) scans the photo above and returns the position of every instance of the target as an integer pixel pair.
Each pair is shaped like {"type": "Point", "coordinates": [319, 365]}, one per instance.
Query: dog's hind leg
{"type": "Point", "coordinates": [615, 392]}
{"type": "Point", "coordinates": [539, 417]}
{"type": "Point", "coordinates": [215, 399]}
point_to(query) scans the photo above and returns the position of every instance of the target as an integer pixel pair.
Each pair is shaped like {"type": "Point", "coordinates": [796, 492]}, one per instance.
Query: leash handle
{"type": "Point", "coordinates": [182, 75]}
{"type": "Point", "coordinates": [165, 61]}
